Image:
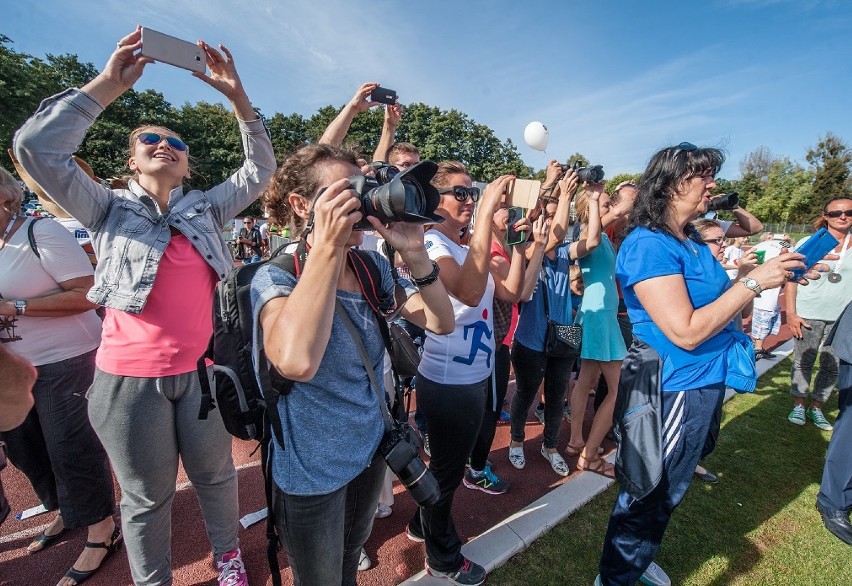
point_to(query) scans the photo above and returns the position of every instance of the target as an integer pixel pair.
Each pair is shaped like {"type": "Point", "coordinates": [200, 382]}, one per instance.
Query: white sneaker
{"type": "Point", "coordinates": [655, 576]}
{"type": "Point", "coordinates": [383, 511]}
{"type": "Point", "coordinates": [364, 562]}
{"type": "Point", "coordinates": [516, 457]}
{"type": "Point", "coordinates": [556, 462]}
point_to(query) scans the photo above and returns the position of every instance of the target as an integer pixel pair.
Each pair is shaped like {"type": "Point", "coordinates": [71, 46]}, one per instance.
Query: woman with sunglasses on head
{"type": "Point", "coordinates": [328, 474]}
{"type": "Point", "coordinates": [453, 380]}
{"type": "Point", "coordinates": [811, 312]}
{"type": "Point", "coordinates": [685, 349]}
{"type": "Point", "coordinates": [161, 254]}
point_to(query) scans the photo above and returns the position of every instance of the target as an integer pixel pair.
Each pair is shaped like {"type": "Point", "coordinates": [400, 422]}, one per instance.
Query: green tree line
{"type": "Point", "coordinates": [774, 188]}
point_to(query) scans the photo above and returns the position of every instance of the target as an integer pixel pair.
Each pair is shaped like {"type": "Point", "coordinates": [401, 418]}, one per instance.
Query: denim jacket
{"type": "Point", "coordinates": [129, 233]}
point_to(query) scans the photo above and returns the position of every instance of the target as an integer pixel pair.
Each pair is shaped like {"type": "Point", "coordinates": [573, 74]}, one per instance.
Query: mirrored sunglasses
{"type": "Point", "coordinates": [461, 193]}
{"type": "Point", "coordinates": [154, 138]}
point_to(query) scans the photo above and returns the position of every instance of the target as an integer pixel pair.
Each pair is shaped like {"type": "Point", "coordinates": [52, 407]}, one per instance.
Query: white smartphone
{"type": "Point", "coordinates": [174, 51]}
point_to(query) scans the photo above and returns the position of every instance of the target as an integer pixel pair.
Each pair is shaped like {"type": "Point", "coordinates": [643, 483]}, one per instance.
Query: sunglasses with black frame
{"type": "Point", "coordinates": [461, 193]}
{"type": "Point", "coordinates": [838, 213]}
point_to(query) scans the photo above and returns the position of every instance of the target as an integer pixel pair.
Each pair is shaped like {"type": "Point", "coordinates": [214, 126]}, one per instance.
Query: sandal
{"type": "Point", "coordinates": [43, 540]}
{"type": "Point", "coordinates": [574, 450]}
{"type": "Point", "coordinates": [112, 546]}
{"type": "Point", "coordinates": [598, 466]}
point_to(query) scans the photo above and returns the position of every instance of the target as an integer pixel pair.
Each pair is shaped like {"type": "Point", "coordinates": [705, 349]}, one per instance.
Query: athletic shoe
{"type": "Point", "coordinates": [655, 576]}
{"type": "Point", "coordinates": [516, 457]}
{"type": "Point", "coordinates": [815, 415]}
{"type": "Point", "coordinates": [505, 417]}
{"type": "Point", "coordinates": [232, 572]}
{"type": "Point", "coordinates": [556, 462]}
{"type": "Point", "coordinates": [797, 415]}
{"type": "Point", "coordinates": [761, 354]}
{"type": "Point", "coordinates": [487, 463]}
{"type": "Point", "coordinates": [426, 445]}
{"type": "Point", "coordinates": [539, 412]}
{"type": "Point", "coordinates": [597, 581]}
{"type": "Point", "coordinates": [414, 535]}
{"type": "Point", "coordinates": [486, 481]}
{"type": "Point", "coordinates": [364, 562]}
{"type": "Point", "coordinates": [383, 511]}
{"type": "Point", "coordinates": [469, 574]}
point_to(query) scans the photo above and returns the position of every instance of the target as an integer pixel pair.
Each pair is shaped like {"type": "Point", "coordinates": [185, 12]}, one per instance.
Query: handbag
{"type": "Point", "coordinates": [404, 354]}
{"type": "Point", "coordinates": [560, 340]}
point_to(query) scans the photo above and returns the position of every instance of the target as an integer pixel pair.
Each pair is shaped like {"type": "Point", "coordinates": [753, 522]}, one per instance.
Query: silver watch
{"type": "Point", "coordinates": [752, 284]}
{"type": "Point", "coordinates": [20, 306]}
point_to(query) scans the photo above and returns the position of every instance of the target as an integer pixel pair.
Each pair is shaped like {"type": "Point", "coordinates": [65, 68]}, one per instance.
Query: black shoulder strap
{"type": "Point", "coordinates": [31, 236]}
{"type": "Point", "coordinates": [370, 278]}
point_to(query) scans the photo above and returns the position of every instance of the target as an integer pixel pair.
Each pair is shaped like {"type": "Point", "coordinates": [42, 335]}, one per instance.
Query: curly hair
{"type": "Point", "coordinates": [666, 171]}
{"type": "Point", "coordinates": [445, 169]}
{"type": "Point", "coordinates": [300, 173]}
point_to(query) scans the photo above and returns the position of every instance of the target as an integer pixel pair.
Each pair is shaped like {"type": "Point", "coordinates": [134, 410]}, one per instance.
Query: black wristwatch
{"type": "Point", "coordinates": [428, 279]}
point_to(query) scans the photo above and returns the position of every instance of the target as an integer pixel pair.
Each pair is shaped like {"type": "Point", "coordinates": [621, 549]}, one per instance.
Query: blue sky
{"type": "Point", "coordinates": [612, 79]}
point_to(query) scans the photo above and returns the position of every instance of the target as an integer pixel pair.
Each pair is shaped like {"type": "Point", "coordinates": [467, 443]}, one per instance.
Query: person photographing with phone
{"type": "Point", "coordinates": [166, 253]}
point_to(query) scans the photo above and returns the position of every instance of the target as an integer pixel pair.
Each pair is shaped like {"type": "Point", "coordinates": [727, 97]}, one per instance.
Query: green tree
{"type": "Point", "coordinates": [786, 195]}
{"type": "Point", "coordinates": [830, 159]}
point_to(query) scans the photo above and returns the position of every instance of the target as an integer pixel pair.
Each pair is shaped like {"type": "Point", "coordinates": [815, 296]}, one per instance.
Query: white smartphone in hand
{"type": "Point", "coordinates": [167, 49]}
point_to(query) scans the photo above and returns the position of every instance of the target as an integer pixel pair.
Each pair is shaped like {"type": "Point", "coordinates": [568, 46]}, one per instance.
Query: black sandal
{"type": "Point", "coordinates": [112, 546]}
{"type": "Point", "coordinates": [44, 540]}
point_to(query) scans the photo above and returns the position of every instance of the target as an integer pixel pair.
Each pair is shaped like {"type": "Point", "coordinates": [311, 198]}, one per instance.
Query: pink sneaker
{"type": "Point", "coordinates": [232, 572]}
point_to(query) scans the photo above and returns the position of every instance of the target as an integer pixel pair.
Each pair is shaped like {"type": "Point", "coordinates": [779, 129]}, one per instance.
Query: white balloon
{"type": "Point", "coordinates": [535, 135]}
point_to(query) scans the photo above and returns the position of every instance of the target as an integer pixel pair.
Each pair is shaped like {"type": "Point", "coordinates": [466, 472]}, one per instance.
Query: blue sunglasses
{"type": "Point", "coordinates": [154, 138]}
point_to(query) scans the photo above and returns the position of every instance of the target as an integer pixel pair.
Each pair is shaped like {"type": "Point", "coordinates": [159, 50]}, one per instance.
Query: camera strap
{"type": "Point", "coordinates": [359, 344]}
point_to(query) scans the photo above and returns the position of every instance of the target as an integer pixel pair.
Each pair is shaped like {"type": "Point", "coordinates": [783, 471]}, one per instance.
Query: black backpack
{"type": "Point", "coordinates": [248, 410]}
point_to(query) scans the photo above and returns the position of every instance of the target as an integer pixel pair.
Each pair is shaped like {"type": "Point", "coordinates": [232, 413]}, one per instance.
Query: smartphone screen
{"type": "Point", "coordinates": [383, 95]}
{"type": "Point", "coordinates": [167, 49]}
{"type": "Point", "coordinates": [814, 248]}
{"type": "Point", "coordinates": [512, 236]}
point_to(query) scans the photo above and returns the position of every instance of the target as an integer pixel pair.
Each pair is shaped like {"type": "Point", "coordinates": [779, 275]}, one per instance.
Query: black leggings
{"type": "Point", "coordinates": [496, 392]}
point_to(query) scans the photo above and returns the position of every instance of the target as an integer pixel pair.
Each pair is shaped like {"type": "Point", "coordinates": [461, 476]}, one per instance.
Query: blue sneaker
{"type": "Point", "coordinates": [655, 576]}
{"type": "Point", "coordinates": [505, 417]}
{"type": "Point", "coordinates": [486, 481]}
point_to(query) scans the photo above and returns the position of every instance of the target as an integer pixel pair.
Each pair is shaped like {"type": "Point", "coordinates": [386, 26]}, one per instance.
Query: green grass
{"type": "Point", "coordinates": [758, 525]}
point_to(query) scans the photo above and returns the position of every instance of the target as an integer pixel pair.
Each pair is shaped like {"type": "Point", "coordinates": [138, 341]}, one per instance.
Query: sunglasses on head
{"type": "Point", "coordinates": [461, 193]}
{"type": "Point", "coordinates": [154, 138]}
{"type": "Point", "coordinates": [838, 213]}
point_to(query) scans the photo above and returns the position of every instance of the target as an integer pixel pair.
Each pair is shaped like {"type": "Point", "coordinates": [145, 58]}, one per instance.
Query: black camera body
{"type": "Point", "coordinates": [398, 196]}
{"type": "Point", "coordinates": [726, 201]}
{"type": "Point", "coordinates": [591, 174]}
{"type": "Point", "coordinates": [399, 449]}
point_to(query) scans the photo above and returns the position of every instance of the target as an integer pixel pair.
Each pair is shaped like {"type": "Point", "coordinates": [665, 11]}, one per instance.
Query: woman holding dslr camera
{"type": "Point", "coordinates": [327, 483]}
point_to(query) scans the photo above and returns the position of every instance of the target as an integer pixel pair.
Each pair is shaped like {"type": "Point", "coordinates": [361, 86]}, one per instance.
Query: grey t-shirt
{"type": "Point", "coordinates": [332, 424]}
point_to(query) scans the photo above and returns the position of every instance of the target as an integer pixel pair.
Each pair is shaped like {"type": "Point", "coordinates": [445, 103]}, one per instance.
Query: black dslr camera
{"type": "Point", "coordinates": [398, 196]}
{"type": "Point", "coordinates": [726, 201]}
{"type": "Point", "coordinates": [399, 449]}
{"type": "Point", "coordinates": [593, 174]}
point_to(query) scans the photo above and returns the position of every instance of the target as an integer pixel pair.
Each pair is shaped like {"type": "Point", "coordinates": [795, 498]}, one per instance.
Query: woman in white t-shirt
{"type": "Point", "coordinates": [455, 369]}
{"type": "Point", "coordinates": [46, 318]}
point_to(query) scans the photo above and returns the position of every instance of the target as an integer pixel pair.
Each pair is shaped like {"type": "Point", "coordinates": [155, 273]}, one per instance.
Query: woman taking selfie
{"type": "Point", "coordinates": [328, 474]}
{"type": "Point", "coordinates": [161, 254]}
{"type": "Point", "coordinates": [685, 349]}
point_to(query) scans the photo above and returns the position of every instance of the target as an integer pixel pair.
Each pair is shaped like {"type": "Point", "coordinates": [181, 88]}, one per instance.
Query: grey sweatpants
{"type": "Point", "coordinates": [805, 353]}
{"type": "Point", "coordinates": [145, 424]}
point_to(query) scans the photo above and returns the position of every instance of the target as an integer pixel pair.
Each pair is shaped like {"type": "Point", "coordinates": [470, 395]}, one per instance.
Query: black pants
{"type": "Point", "coordinates": [453, 414]}
{"type": "Point", "coordinates": [497, 386]}
{"type": "Point", "coordinates": [57, 449]}
{"type": "Point", "coordinates": [835, 492]}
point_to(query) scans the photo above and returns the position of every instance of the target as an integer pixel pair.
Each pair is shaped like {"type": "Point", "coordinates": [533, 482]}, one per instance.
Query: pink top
{"type": "Point", "coordinates": [175, 325]}
{"type": "Point", "coordinates": [497, 250]}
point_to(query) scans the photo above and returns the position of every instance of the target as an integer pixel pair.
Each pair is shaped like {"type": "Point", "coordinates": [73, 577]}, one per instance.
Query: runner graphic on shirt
{"type": "Point", "coordinates": [476, 330]}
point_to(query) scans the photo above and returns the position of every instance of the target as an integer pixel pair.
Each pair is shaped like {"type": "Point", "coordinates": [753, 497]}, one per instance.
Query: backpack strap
{"type": "Point", "coordinates": [31, 236]}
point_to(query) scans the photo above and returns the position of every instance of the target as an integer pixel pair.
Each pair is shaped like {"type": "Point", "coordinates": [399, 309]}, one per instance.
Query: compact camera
{"type": "Point", "coordinates": [591, 174]}
{"type": "Point", "coordinates": [399, 449]}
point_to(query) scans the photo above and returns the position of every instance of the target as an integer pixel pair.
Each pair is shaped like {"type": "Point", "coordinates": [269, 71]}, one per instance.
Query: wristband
{"type": "Point", "coordinates": [428, 279]}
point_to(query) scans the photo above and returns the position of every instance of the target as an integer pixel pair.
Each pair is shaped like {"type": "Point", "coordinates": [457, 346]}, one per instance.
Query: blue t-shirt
{"type": "Point", "coordinates": [532, 324]}
{"type": "Point", "coordinates": [332, 424]}
{"type": "Point", "coordinates": [646, 254]}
